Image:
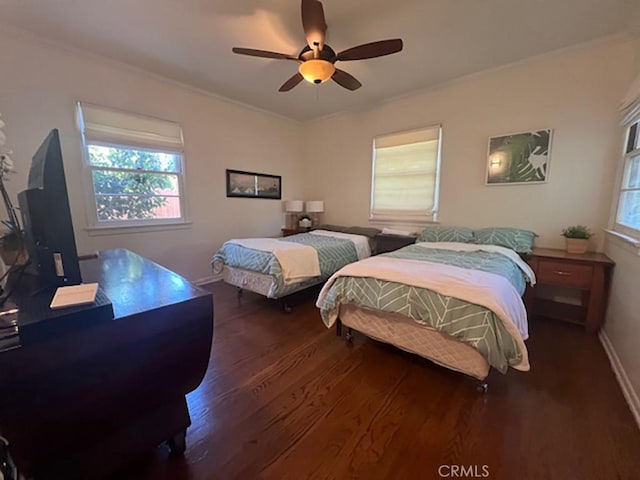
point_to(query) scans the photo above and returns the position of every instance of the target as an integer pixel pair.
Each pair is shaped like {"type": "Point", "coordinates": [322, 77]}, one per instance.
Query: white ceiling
{"type": "Point", "coordinates": [190, 41]}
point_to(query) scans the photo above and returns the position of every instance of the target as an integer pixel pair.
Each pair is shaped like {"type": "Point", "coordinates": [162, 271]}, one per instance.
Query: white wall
{"type": "Point", "coordinates": [39, 85]}
{"type": "Point", "coordinates": [623, 316]}
{"type": "Point", "coordinates": [575, 92]}
{"type": "Point", "coordinates": [622, 325]}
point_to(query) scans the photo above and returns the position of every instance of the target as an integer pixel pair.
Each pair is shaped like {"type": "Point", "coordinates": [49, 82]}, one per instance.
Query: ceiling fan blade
{"type": "Point", "coordinates": [345, 80]}
{"type": "Point", "coordinates": [263, 53]}
{"type": "Point", "coordinates": [313, 23]}
{"type": "Point", "coordinates": [370, 50]}
{"type": "Point", "coordinates": [292, 82]}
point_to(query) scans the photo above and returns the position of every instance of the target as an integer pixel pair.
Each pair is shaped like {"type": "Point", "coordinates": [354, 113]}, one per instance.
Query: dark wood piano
{"type": "Point", "coordinates": [79, 403]}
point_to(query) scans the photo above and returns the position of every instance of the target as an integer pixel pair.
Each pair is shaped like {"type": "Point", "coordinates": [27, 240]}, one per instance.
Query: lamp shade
{"type": "Point", "coordinates": [316, 70]}
{"type": "Point", "coordinates": [293, 206]}
{"type": "Point", "coordinates": [315, 206]}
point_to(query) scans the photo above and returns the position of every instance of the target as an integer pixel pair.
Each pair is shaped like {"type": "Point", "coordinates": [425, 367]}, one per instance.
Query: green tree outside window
{"type": "Point", "coordinates": [125, 184]}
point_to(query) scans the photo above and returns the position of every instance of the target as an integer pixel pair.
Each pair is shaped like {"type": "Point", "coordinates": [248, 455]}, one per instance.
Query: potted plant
{"type": "Point", "coordinates": [577, 238]}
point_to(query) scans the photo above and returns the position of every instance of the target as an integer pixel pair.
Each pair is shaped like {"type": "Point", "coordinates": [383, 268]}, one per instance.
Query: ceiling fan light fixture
{"type": "Point", "coordinates": [317, 70]}
{"type": "Point", "coordinates": [316, 59]}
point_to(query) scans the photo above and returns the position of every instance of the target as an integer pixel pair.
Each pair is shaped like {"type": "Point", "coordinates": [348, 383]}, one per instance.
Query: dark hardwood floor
{"type": "Point", "coordinates": [284, 398]}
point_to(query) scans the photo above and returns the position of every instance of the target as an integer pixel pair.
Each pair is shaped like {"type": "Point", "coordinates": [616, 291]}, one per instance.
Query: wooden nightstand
{"type": "Point", "coordinates": [292, 231]}
{"type": "Point", "coordinates": [388, 243]}
{"type": "Point", "coordinates": [589, 273]}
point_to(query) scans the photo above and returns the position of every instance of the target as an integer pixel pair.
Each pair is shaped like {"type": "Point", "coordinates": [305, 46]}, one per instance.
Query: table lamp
{"type": "Point", "coordinates": [293, 208]}
{"type": "Point", "coordinates": [314, 208]}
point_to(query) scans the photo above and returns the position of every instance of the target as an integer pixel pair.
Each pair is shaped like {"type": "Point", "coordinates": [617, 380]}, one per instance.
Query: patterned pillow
{"type": "Point", "coordinates": [514, 238]}
{"type": "Point", "coordinates": [439, 233]}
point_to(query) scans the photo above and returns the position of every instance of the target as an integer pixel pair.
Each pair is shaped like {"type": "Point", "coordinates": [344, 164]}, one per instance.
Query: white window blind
{"type": "Point", "coordinates": [134, 168]}
{"type": "Point", "coordinates": [405, 175]}
{"type": "Point", "coordinates": [105, 125]}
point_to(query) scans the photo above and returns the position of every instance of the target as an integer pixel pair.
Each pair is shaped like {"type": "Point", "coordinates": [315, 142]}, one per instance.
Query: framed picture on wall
{"type": "Point", "coordinates": [519, 158]}
{"type": "Point", "coordinates": [253, 185]}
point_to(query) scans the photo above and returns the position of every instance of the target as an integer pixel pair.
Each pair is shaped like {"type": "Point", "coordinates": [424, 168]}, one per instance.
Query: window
{"type": "Point", "coordinates": [406, 175]}
{"type": "Point", "coordinates": [628, 214]}
{"type": "Point", "coordinates": [134, 168]}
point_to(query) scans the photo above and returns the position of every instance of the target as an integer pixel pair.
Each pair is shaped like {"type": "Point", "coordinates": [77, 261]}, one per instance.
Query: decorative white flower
{"type": "Point", "coordinates": [3, 137]}
{"type": "Point", "coordinates": [6, 164]}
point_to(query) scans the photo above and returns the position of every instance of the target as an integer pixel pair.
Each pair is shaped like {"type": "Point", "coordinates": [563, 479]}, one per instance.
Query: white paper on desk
{"type": "Point", "coordinates": [74, 295]}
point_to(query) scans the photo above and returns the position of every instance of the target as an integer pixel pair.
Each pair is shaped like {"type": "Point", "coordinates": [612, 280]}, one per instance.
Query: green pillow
{"type": "Point", "coordinates": [440, 233]}
{"type": "Point", "coordinates": [514, 238]}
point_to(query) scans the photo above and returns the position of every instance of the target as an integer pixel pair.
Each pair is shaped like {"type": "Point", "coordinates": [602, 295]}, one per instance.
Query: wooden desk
{"type": "Point", "coordinates": [589, 273]}
{"type": "Point", "coordinates": [78, 404]}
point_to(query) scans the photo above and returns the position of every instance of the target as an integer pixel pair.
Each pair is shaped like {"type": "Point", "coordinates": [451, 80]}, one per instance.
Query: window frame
{"type": "Point", "coordinates": [628, 155]}
{"type": "Point", "coordinates": [93, 222]}
{"type": "Point", "coordinates": [407, 217]}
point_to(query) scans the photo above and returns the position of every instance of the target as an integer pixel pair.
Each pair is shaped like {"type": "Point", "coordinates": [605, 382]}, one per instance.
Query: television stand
{"type": "Point", "coordinates": [77, 403]}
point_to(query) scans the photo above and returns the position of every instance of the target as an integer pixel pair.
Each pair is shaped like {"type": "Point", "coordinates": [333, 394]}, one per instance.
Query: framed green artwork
{"type": "Point", "coordinates": [519, 158]}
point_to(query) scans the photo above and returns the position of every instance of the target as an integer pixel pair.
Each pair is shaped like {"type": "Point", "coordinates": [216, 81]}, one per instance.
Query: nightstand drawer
{"type": "Point", "coordinates": [563, 273]}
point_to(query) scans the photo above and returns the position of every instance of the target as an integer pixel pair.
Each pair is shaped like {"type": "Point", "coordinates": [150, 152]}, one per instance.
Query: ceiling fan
{"type": "Point", "coordinates": [317, 59]}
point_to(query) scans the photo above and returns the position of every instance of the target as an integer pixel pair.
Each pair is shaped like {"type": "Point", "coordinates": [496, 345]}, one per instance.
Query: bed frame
{"type": "Point", "coordinates": [408, 335]}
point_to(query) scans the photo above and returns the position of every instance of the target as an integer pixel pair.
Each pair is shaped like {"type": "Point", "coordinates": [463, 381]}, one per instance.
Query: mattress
{"type": "Point", "coordinates": [473, 296]}
{"type": "Point", "coordinates": [334, 250]}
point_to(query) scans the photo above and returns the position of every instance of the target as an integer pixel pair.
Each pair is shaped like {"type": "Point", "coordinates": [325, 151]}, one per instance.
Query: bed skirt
{"type": "Point", "coordinates": [262, 283]}
{"type": "Point", "coordinates": [408, 335]}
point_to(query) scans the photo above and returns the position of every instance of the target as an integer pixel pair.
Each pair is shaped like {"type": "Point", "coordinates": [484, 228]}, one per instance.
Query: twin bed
{"type": "Point", "coordinates": [454, 299]}
{"type": "Point", "coordinates": [276, 268]}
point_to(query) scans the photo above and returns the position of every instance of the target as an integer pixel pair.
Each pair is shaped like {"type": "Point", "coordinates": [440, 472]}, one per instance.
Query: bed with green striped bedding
{"type": "Point", "coordinates": [333, 254]}
{"type": "Point", "coordinates": [471, 323]}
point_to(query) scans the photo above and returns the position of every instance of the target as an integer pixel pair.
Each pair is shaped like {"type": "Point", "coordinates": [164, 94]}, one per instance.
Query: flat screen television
{"type": "Point", "coordinates": [46, 219]}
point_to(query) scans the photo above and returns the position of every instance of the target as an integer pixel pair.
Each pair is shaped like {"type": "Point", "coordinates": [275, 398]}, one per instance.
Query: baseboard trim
{"type": "Point", "coordinates": [623, 379]}
{"type": "Point", "coordinates": [209, 279]}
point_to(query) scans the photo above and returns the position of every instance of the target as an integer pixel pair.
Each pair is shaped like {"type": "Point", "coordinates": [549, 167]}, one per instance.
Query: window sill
{"type": "Point", "coordinates": [634, 242]}
{"type": "Point", "coordinates": [126, 229]}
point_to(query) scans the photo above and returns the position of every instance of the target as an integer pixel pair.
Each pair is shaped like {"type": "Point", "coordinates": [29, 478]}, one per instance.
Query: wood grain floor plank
{"type": "Point", "coordinates": [284, 398]}
{"type": "Point", "coordinates": [325, 447]}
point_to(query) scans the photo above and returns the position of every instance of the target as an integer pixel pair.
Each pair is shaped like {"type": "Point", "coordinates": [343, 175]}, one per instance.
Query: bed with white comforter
{"type": "Point", "coordinates": [276, 267]}
{"type": "Point", "coordinates": [465, 298]}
